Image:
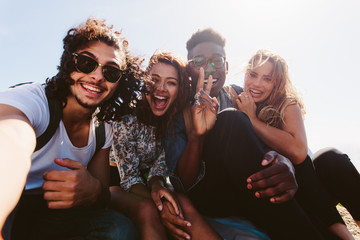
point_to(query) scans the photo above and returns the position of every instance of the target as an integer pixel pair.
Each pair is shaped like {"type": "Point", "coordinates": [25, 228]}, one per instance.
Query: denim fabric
{"type": "Point", "coordinates": [234, 228]}
{"type": "Point", "coordinates": [33, 220]}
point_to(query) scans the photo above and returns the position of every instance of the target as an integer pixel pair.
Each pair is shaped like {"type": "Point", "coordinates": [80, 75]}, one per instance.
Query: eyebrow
{"type": "Point", "coordinates": [96, 58]}
{"type": "Point", "coordinates": [157, 75]}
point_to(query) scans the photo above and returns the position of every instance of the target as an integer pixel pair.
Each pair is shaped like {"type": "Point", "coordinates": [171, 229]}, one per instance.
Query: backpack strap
{"type": "Point", "coordinates": [99, 136]}
{"type": "Point", "coordinates": [55, 108]}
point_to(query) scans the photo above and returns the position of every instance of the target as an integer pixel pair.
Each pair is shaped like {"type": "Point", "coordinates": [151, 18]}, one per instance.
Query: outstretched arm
{"type": "Point", "coordinates": [16, 156]}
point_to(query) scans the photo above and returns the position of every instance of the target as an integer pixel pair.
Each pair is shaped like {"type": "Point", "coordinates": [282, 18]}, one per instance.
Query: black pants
{"type": "Point", "coordinates": [315, 199]}
{"type": "Point", "coordinates": [340, 178]}
{"type": "Point", "coordinates": [33, 220]}
{"type": "Point", "coordinates": [232, 152]}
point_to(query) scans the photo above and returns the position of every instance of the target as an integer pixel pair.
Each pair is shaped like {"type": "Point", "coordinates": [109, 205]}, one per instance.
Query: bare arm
{"type": "Point", "coordinates": [204, 114]}
{"type": "Point", "coordinates": [16, 156]}
{"type": "Point", "coordinates": [189, 165]}
{"type": "Point", "coordinates": [290, 140]}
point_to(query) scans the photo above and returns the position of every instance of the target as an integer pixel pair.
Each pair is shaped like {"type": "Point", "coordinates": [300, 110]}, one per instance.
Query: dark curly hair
{"type": "Point", "coordinates": [143, 110]}
{"type": "Point", "coordinates": [205, 35]}
{"type": "Point", "coordinates": [125, 96]}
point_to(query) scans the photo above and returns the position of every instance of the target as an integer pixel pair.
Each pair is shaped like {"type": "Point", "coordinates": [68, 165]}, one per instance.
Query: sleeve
{"type": "Point", "coordinates": [159, 167]}
{"type": "Point", "coordinates": [175, 143]}
{"type": "Point", "coordinates": [32, 101]}
{"type": "Point", "coordinates": [124, 151]}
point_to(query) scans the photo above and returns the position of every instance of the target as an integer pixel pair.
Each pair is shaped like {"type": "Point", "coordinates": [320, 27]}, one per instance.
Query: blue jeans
{"type": "Point", "coordinates": [33, 220]}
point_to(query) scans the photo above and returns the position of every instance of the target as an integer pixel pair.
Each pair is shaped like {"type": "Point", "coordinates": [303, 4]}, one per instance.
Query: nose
{"type": "Point", "coordinates": [209, 69]}
{"type": "Point", "coordinates": [98, 75]}
{"type": "Point", "coordinates": [160, 86]}
{"type": "Point", "coordinates": [257, 81]}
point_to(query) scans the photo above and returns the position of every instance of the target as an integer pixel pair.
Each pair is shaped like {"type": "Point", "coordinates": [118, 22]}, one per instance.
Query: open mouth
{"type": "Point", "coordinates": [91, 88]}
{"type": "Point", "coordinates": [255, 93]}
{"type": "Point", "coordinates": [160, 102]}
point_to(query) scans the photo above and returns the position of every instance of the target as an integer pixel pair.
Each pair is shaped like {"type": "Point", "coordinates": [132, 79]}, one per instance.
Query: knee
{"type": "Point", "coordinates": [147, 211]}
{"type": "Point", "coordinates": [186, 204]}
{"type": "Point", "coordinates": [330, 159]}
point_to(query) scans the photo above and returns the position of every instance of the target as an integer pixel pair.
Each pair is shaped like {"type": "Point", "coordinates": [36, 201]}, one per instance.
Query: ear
{"type": "Point", "coordinates": [226, 67]}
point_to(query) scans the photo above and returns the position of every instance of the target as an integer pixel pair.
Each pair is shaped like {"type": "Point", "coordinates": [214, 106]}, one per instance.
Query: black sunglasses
{"type": "Point", "coordinates": [86, 64]}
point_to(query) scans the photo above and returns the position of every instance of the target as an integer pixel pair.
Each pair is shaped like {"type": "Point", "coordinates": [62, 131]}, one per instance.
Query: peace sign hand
{"type": "Point", "coordinates": [205, 108]}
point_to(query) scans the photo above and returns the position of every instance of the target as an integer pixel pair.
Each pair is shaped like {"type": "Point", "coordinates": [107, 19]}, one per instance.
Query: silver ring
{"type": "Point", "coordinates": [197, 95]}
{"type": "Point", "coordinates": [197, 102]}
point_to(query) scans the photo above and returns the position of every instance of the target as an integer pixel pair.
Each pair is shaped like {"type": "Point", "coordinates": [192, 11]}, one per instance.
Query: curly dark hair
{"type": "Point", "coordinates": [143, 110]}
{"type": "Point", "coordinates": [125, 96]}
{"type": "Point", "coordinates": [205, 35]}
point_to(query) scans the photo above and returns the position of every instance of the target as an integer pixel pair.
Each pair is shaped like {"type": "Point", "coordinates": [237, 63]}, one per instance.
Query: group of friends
{"type": "Point", "coordinates": [166, 152]}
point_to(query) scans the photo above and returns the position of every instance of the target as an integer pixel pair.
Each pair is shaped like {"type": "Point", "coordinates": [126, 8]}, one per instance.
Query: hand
{"type": "Point", "coordinates": [277, 181]}
{"type": "Point", "coordinates": [205, 108]}
{"type": "Point", "coordinates": [159, 191]}
{"type": "Point", "coordinates": [69, 188]}
{"type": "Point", "coordinates": [246, 104]}
{"type": "Point", "coordinates": [174, 222]}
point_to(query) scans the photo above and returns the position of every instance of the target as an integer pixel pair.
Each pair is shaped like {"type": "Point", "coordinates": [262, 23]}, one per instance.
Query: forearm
{"type": "Point", "coordinates": [15, 161]}
{"type": "Point", "coordinates": [281, 141]}
{"type": "Point", "coordinates": [189, 165]}
{"type": "Point", "coordinates": [140, 190]}
{"type": "Point", "coordinates": [102, 198]}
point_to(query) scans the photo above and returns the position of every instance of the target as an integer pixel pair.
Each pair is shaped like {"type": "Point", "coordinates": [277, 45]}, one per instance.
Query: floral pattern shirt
{"type": "Point", "coordinates": [136, 152]}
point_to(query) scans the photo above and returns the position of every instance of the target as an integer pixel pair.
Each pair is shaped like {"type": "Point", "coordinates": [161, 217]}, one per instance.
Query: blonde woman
{"type": "Point", "coordinates": [276, 113]}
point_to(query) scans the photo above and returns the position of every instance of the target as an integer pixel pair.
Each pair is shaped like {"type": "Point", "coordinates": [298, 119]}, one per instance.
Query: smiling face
{"type": "Point", "coordinates": [165, 89]}
{"type": "Point", "coordinates": [209, 50]}
{"type": "Point", "coordinates": [91, 89]}
{"type": "Point", "coordinates": [259, 83]}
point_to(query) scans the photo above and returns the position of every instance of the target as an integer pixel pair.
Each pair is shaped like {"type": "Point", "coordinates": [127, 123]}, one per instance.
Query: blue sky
{"type": "Point", "coordinates": [319, 39]}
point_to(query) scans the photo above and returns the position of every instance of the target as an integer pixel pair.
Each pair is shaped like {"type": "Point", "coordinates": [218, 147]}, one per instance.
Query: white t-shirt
{"type": "Point", "coordinates": [32, 101]}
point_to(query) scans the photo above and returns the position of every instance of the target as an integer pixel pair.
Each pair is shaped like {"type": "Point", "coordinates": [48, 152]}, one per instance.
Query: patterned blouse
{"type": "Point", "coordinates": [136, 152]}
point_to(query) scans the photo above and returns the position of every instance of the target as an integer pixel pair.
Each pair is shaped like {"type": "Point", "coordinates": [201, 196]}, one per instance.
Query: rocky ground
{"type": "Point", "coordinates": [350, 223]}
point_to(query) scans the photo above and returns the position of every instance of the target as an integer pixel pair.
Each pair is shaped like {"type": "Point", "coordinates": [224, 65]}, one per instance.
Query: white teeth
{"type": "Point", "coordinates": [91, 88]}
{"type": "Point", "coordinates": [160, 97]}
{"type": "Point", "coordinates": [214, 81]}
{"type": "Point", "coordinates": [254, 91]}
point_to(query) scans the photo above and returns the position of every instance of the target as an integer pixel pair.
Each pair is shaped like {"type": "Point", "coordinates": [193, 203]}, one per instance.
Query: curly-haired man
{"type": "Point", "coordinates": [66, 189]}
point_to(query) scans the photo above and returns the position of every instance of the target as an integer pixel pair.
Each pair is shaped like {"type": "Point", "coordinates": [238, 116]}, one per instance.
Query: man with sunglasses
{"type": "Point", "coordinates": [66, 189]}
{"type": "Point", "coordinates": [223, 167]}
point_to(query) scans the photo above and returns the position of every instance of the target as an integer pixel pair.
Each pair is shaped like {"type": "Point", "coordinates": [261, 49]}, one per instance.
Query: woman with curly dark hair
{"type": "Point", "coordinates": [137, 146]}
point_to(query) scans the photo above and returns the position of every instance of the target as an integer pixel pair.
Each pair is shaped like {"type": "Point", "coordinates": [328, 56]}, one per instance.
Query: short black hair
{"type": "Point", "coordinates": [205, 35]}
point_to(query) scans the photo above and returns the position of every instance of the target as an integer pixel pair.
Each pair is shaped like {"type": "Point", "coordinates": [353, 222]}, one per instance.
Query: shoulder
{"type": "Point", "coordinates": [31, 100]}
{"type": "Point", "coordinates": [291, 103]}
{"type": "Point", "coordinates": [291, 108]}
{"type": "Point", "coordinates": [126, 124]}
{"type": "Point", "coordinates": [126, 120]}
{"type": "Point", "coordinates": [237, 88]}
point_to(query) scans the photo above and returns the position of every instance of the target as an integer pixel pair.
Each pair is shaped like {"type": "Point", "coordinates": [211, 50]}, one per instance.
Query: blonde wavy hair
{"type": "Point", "coordinates": [271, 111]}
